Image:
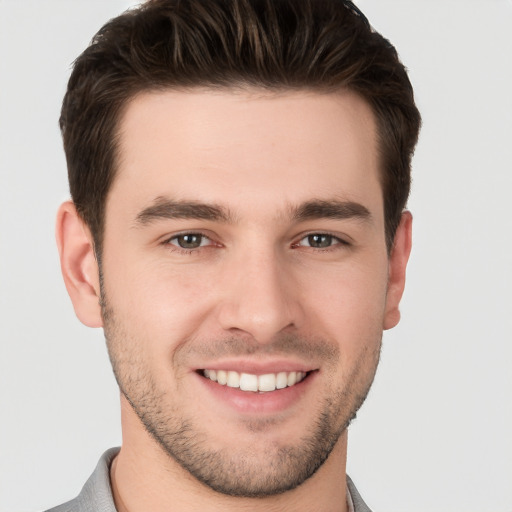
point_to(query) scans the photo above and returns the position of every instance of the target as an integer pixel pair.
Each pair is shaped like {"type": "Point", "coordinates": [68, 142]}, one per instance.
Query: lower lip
{"type": "Point", "coordinates": [258, 403]}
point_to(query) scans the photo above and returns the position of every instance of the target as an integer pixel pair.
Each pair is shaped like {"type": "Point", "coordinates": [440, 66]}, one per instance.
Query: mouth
{"type": "Point", "coordinates": [249, 382]}
{"type": "Point", "coordinates": [255, 389]}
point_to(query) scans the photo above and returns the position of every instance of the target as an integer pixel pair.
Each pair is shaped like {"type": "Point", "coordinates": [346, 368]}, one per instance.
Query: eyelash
{"type": "Point", "coordinates": [336, 244]}
{"type": "Point", "coordinates": [182, 250]}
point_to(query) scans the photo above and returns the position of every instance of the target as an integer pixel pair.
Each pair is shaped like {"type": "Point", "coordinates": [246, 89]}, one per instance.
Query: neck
{"type": "Point", "coordinates": [144, 477]}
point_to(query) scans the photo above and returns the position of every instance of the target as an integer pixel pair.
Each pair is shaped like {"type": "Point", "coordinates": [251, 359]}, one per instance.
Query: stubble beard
{"type": "Point", "coordinates": [232, 470]}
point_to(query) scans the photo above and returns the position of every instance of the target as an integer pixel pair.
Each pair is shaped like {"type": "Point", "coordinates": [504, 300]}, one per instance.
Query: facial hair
{"type": "Point", "coordinates": [241, 471]}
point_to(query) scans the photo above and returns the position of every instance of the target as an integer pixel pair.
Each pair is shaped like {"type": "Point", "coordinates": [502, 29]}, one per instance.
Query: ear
{"type": "Point", "coordinates": [78, 264]}
{"type": "Point", "coordinates": [397, 267]}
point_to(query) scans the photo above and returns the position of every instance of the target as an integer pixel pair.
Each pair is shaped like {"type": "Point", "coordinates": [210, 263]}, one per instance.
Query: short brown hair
{"type": "Point", "coordinates": [320, 45]}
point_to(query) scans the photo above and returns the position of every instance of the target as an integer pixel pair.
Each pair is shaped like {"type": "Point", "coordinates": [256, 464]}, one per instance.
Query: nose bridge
{"type": "Point", "coordinates": [257, 297]}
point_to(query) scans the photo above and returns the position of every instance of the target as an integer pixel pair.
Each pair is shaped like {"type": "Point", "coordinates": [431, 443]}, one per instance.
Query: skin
{"type": "Point", "coordinates": [256, 293]}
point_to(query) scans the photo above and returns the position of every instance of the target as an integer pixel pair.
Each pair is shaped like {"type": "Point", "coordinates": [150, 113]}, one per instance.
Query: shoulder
{"type": "Point", "coordinates": [96, 494]}
{"type": "Point", "coordinates": [358, 502]}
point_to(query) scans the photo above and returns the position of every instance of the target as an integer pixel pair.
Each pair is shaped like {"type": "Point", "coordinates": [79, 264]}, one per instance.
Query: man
{"type": "Point", "coordinates": [239, 171]}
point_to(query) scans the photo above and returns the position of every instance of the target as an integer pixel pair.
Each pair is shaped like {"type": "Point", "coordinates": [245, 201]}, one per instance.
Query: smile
{"type": "Point", "coordinates": [255, 383]}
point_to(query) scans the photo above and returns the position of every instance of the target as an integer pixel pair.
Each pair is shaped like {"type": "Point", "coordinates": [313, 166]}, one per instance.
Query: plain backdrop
{"type": "Point", "coordinates": [435, 434]}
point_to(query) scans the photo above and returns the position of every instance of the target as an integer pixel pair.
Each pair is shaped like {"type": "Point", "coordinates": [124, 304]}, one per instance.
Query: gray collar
{"type": "Point", "coordinates": [96, 494]}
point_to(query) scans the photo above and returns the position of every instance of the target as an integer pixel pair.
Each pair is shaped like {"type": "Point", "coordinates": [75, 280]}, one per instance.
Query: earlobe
{"type": "Point", "coordinates": [397, 269]}
{"type": "Point", "coordinates": [79, 265]}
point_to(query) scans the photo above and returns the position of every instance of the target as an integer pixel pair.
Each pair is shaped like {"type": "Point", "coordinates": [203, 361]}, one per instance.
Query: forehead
{"type": "Point", "coordinates": [246, 148]}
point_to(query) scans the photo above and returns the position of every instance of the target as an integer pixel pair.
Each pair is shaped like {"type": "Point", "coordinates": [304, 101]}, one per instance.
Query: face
{"type": "Point", "coordinates": [245, 278]}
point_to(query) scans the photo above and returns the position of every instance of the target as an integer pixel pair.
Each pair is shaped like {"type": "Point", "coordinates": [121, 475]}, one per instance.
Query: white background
{"type": "Point", "coordinates": [436, 432]}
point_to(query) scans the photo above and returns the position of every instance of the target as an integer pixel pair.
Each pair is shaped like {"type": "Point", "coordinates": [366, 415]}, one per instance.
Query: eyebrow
{"type": "Point", "coordinates": [331, 209]}
{"type": "Point", "coordinates": [163, 208]}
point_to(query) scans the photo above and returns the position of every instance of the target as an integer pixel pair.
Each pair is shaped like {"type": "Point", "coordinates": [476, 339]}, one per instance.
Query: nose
{"type": "Point", "coordinates": [259, 296]}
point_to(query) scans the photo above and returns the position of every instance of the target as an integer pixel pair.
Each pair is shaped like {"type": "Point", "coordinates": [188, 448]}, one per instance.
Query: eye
{"type": "Point", "coordinates": [320, 241]}
{"type": "Point", "coordinates": [190, 240]}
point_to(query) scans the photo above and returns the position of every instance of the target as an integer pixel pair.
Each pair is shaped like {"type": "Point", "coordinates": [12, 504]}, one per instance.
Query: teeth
{"type": "Point", "coordinates": [222, 377]}
{"type": "Point", "coordinates": [267, 382]}
{"type": "Point", "coordinates": [250, 382]}
{"type": "Point", "coordinates": [281, 380]}
{"type": "Point", "coordinates": [233, 380]}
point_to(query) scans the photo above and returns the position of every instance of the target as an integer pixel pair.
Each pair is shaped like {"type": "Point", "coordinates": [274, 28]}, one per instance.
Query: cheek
{"type": "Point", "coordinates": [349, 305]}
{"type": "Point", "coordinates": [157, 300]}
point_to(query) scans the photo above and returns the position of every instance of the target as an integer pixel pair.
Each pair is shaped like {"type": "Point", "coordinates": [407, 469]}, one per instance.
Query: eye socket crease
{"type": "Point", "coordinates": [163, 209]}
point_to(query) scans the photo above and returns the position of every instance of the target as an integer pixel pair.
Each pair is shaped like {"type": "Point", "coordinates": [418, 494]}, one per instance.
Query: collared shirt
{"type": "Point", "coordinates": [96, 495]}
